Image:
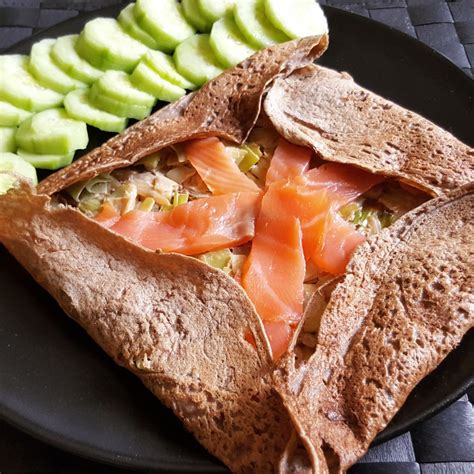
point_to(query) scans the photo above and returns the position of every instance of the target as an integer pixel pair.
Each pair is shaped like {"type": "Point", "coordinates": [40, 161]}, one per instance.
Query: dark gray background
{"type": "Point", "coordinates": [443, 444]}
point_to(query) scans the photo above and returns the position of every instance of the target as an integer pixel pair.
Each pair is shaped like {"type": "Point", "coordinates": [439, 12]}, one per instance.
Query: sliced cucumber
{"type": "Point", "coordinates": [164, 20]}
{"type": "Point", "coordinates": [64, 54]}
{"type": "Point", "coordinates": [130, 25]}
{"type": "Point", "coordinates": [253, 23]}
{"type": "Point", "coordinates": [46, 162]}
{"type": "Point", "coordinates": [165, 67]}
{"type": "Point", "coordinates": [105, 45]}
{"type": "Point", "coordinates": [196, 61]}
{"type": "Point", "coordinates": [228, 44]}
{"type": "Point", "coordinates": [52, 132]}
{"type": "Point", "coordinates": [78, 106]}
{"type": "Point", "coordinates": [47, 73]}
{"type": "Point", "coordinates": [215, 9]}
{"type": "Point", "coordinates": [194, 16]}
{"type": "Point", "coordinates": [297, 18]}
{"type": "Point", "coordinates": [147, 79]}
{"type": "Point", "coordinates": [20, 88]}
{"type": "Point", "coordinates": [11, 163]}
{"type": "Point", "coordinates": [11, 116]}
{"type": "Point", "coordinates": [117, 85]}
{"type": "Point", "coordinates": [7, 139]}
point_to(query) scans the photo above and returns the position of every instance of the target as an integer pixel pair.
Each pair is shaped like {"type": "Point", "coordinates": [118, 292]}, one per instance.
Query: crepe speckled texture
{"type": "Point", "coordinates": [343, 122]}
{"type": "Point", "coordinates": [405, 302]}
{"type": "Point", "coordinates": [172, 320]}
{"type": "Point", "coordinates": [180, 325]}
{"type": "Point", "coordinates": [227, 107]}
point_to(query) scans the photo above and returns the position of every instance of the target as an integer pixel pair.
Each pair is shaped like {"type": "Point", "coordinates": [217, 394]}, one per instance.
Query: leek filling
{"type": "Point", "coordinates": [166, 180]}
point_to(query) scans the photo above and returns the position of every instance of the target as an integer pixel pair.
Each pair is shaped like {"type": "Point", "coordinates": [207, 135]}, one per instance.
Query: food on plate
{"type": "Point", "coordinates": [79, 106]}
{"type": "Point", "coordinates": [12, 166]}
{"type": "Point", "coordinates": [115, 93]}
{"type": "Point", "coordinates": [165, 22]}
{"type": "Point", "coordinates": [104, 44]}
{"type": "Point", "coordinates": [390, 318]}
{"type": "Point", "coordinates": [228, 44]}
{"type": "Point", "coordinates": [20, 88]}
{"type": "Point", "coordinates": [121, 63]}
{"type": "Point", "coordinates": [47, 73]}
{"type": "Point", "coordinates": [129, 23]}
{"type": "Point", "coordinates": [252, 249]}
{"type": "Point", "coordinates": [11, 116]}
{"type": "Point", "coordinates": [52, 131]}
{"type": "Point", "coordinates": [66, 57]}
{"type": "Point", "coordinates": [196, 60]}
{"type": "Point", "coordinates": [44, 161]}
{"type": "Point", "coordinates": [7, 139]}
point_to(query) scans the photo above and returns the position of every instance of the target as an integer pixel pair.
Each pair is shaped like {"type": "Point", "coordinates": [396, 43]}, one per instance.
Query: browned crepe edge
{"type": "Point", "coordinates": [403, 306]}
{"type": "Point", "coordinates": [227, 106]}
{"type": "Point", "coordinates": [343, 122]}
{"type": "Point", "coordinates": [173, 321]}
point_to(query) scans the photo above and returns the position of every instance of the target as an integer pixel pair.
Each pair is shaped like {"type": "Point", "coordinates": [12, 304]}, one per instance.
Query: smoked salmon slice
{"type": "Point", "coordinates": [338, 240]}
{"type": "Point", "coordinates": [216, 167]}
{"type": "Point", "coordinates": [196, 227]}
{"type": "Point", "coordinates": [108, 215]}
{"type": "Point", "coordinates": [288, 161]}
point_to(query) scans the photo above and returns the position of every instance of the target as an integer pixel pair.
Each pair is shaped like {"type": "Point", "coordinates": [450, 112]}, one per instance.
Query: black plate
{"type": "Point", "coordinates": [58, 386]}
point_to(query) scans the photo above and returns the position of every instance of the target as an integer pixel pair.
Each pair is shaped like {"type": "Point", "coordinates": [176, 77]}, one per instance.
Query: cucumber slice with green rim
{"type": "Point", "coordinates": [164, 20]}
{"type": "Point", "coordinates": [130, 25]}
{"type": "Point", "coordinates": [46, 162]}
{"type": "Point", "coordinates": [117, 107]}
{"type": "Point", "coordinates": [215, 9]}
{"type": "Point", "coordinates": [105, 45]}
{"type": "Point", "coordinates": [196, 61]}
{"type": "Point", "coordinates": [228, 44]}
{"type": "Point", "coordinates": [253, 23]}
{"type": "Point", "coordinates": [47, 73]}
{"type": "Point", "coordinates": [64, 54]}
{"type": "Point", "coordinates": [117, 85]}
{"type": "Point", "coordinates": [78, 106]}
{"type": "Point", "coordinates": [11, 163]}
{"type": "Point", "coordinates": [11, 116]}
{"type": "Point", "coordinates": [52, 132]}
{"type": "Point", "coordinates": [297, 18]}
{"type": "Point", "coordinates": [20, 88]}
{"type": "Point", "coordinates": [194, 16]}
{"type": "Point", "coordinates": [147, 79]}
{"type": "Point", "coordinates": [165, 67]}
{"type": "Point", "coordinates": [7, 139]}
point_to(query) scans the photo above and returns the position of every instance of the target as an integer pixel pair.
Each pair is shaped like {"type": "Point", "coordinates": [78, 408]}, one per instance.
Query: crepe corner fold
{"type": "Point", "coordinates": [405, 302]}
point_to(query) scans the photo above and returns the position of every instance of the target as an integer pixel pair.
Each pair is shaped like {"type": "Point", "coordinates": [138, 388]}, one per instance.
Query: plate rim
{"type": "Point", "coordinates": [115, 459]}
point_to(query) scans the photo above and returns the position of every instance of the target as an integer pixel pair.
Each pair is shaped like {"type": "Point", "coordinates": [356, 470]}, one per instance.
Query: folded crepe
{"type": "Point", "coordinates": [183, 327]}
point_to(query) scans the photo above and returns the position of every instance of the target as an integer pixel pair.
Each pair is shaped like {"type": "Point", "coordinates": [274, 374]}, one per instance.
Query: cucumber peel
{"type": "Point", "coordinates": [105, 45]}
{"type": "Point", "coordinates": [64, 54]}
{"type": "Point", "coordinates": [11, 116]}
{"type": "Point", "coordinates": [215, 9]}
{"type": "Point", "coordinates": [165, 22]}
{"type": "Point", "coordinates": [166, 68]}
{"type": "Point", "coordinates": [194, 16]}
{"type": "Point", "coordinates": [298, 18]}
{"type": "Point", "coordinates": [129, 24]}
{"type": "Point", "coordinates": [228, 44]}
{"type": "Point", "coordinates": [20, 88]}
{"type": "Point", "coordinates": [52, 132]}
{"type": "Point", "coordinates": [148, 80]}
{"type": "Point", "coordinates": [253, 23]}
{"type": "Point", "coordinates": [11, 163]}
{"type": "Point", "coordinates": [47, 73]}
{"type": "Point", "coordinates": [46, 162]}
{"type": "Point", "coordinates": [79, 106]}
{"type": "Point", "coordinates": [7, 139]}
{"type": "Point", "coordinates": [196, 61]}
